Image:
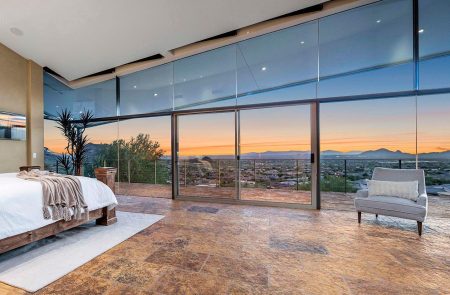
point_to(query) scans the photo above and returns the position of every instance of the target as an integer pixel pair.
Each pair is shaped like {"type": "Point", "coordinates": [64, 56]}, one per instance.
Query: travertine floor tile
{"type": "Point", "coordinates": [206, 248]}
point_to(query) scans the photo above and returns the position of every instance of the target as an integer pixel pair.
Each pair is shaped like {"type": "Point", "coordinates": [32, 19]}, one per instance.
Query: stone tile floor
{"type": "Point", "coordinates": [206, 248]}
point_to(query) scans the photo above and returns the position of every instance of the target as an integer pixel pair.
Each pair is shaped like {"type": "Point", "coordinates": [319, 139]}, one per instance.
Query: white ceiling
{"type": "Point", "coordinates": [80, 37]}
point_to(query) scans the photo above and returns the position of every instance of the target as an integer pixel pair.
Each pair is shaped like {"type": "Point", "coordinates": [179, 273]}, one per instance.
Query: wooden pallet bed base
{"type": "Point", "coordinates": [103, 216]}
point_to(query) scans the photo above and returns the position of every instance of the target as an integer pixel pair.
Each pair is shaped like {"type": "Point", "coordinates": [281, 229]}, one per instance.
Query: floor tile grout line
{"type": "Point", "coordinates": [204, 263]}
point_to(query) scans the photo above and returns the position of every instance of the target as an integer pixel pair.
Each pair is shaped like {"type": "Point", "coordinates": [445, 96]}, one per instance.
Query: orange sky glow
{"type": "Point", "coordinates": [345, 127]}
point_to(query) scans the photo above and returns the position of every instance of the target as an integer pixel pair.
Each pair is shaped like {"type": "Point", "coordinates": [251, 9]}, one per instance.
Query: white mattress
{"type": "Point", "coordinates": [21, 202]}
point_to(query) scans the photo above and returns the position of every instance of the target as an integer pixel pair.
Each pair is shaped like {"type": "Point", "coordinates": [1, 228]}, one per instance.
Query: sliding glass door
{"type": "Point", "coordinates": [254, 155]}
{"type": "Point", "coordinates": [207, 155]}
{"type": "Point", "coordinates": [275, 160]}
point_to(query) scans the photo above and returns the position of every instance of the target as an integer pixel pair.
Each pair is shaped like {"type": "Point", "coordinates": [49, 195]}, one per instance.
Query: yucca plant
{"type": "Point", "coordinates": [77, 141]}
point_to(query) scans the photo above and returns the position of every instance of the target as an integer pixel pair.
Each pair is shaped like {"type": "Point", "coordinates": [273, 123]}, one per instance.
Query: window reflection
{"type": "Point", "coordinates": [147, 91]}
{"type": "Point", "coordinates": [367, 50]}
{"type": "Point", "coordinates": [434, 36]}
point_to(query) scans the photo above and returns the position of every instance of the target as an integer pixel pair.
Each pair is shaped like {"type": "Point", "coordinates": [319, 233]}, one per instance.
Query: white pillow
{"type": "Point", "coordinates": [402, 189]}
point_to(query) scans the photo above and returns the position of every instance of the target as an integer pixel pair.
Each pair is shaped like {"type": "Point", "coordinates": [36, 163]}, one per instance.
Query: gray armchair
{"type": "Point", "coordinates": [393, 206]}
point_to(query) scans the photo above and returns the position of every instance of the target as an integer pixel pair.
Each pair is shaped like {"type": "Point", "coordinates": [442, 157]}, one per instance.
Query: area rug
{"type": "Point", "coordinates": [34, 266]}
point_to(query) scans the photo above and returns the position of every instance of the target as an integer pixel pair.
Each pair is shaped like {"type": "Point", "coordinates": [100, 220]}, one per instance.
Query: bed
{"type": "Point", "coordinates": [21, 219]}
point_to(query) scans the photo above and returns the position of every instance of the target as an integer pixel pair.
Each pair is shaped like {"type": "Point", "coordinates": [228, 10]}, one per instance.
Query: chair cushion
{"type": "Point", "coordinates": [390, 205]}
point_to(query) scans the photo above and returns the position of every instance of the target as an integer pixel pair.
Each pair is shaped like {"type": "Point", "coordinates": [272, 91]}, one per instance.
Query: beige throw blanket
{"type": "Point", "coordinates": [61, 193]}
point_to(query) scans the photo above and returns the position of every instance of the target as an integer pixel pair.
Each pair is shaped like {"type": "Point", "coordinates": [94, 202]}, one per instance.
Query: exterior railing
{"type": "Point", "coordinates": [337, 175]}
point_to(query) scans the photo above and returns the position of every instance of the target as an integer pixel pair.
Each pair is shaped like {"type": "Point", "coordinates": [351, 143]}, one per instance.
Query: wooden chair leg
{"type": "Point", "coordinates": [359, 216]}
{"type": "Point", "coordinates": [419, 227]}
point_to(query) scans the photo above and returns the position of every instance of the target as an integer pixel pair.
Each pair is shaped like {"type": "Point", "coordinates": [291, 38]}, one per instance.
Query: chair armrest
{"type": "Point", "coordinates": [422, 200]}
{"type": "Point", "coordinates": [363, 193]}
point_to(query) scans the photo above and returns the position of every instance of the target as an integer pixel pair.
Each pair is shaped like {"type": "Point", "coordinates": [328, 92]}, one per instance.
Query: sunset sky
{"type": "Point", "coordinates": [345, 126]}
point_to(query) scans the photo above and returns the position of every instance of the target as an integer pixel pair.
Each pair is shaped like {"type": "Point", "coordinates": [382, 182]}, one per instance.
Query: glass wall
{"type": "Point", "coordinates": [98, 98]}
{"type": "Point", "coordinates": [367, 50]}
{"type": "Point", "coordinates": [434, 47]}
{"type": "Point", "coordinates": [363, 51]}
{"type": "Point", "coordinates": [144, 152]}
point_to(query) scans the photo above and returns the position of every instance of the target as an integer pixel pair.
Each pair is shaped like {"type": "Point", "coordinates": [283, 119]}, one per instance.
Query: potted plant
{"type": "Point", "coordinates": [76, 148]}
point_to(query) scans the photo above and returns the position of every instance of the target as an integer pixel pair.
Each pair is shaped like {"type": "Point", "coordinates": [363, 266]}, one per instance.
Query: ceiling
{"type": "Point", "coordinates": [76, 38]}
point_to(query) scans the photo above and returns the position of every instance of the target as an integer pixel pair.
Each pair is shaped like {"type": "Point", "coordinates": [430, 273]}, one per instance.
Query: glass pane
{"type": "Point", "coordinates": [433, 141]}
{"type": "Point", "coordinates": [144, 153]}
{"type": "Point", "coordinates": [207, 165]}
{"type": "Point", "coordinates": [54, 145]}
{"type": "Point", "coordinates": [276, 154]}
{"type": "Point", "coordinates": [99, 98]}
{"type": "Point", "coordinates": [102, 151]}
{"type": "Point", "coordinates": [434, 38]}
{"type": "Point", "coordinates": [367, 50]}
{"type": "Point", "coordinates": [147, 91]}
{"type": "Point", "coordinates": [278, 59]}
{"type": "Point", "coordinates": [357, 136]}
{"type": "Point", "coordinates": [206, 80]}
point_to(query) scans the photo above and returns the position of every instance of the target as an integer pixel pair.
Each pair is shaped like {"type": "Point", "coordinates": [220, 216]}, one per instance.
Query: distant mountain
{"type": "Point", "coordinates": [278, 155]}
{"type": "Point", "coordinates": [385, 154]}
{"type": "Point", "coordinates": [435, 155]}
{"type": "Point", "coordinates": [332, 153]}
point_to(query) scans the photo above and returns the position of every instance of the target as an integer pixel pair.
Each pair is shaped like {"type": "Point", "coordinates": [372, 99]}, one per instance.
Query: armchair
{"type": "Point", "coordinates": [391, 205]}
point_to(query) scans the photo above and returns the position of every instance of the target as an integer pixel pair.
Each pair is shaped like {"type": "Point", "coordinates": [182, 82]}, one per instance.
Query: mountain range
{"type": "Point", "coordinates": [379, 154]}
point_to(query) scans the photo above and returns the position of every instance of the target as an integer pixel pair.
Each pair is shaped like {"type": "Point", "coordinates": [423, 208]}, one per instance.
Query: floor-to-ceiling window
{"type": "Point", "coordinates": [244, 128]}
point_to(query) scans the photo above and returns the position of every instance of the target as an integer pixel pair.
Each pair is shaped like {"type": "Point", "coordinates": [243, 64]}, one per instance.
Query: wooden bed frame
{"type": "Point", "coordinates": [103, 216]}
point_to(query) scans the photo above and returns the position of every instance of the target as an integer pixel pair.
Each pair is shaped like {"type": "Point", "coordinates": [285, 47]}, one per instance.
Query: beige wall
{"type": "Point", "coordinates": [21, 91]}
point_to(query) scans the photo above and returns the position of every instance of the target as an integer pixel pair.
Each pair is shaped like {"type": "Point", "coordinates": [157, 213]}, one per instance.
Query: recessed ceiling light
{"type": "Point", "coordinates": [155, 94]}
{"type": "Point", "coordinates": [302, 42]}
{"type": "Point", "coordinates": [263, 68]}
{"type": "Point", "coordinates": [134, 86]}
{"type": "Point", "coordinates": [16, 31]}
{"type": "Point", "coordinates": [378, 21]}
{"type": "Point", "coordinates": [421, 31]}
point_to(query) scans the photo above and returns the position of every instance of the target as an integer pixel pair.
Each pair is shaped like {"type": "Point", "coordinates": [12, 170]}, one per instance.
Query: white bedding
{"type": "Point", "coordinates": [21, 202]}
